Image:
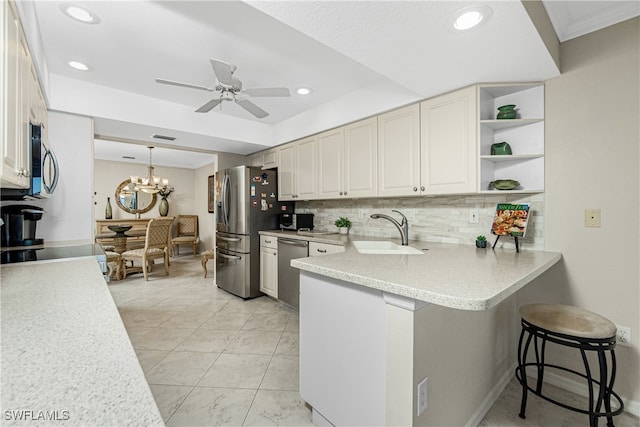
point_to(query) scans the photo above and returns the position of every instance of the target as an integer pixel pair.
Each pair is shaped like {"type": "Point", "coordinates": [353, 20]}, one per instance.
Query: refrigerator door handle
{"type": "Point", "coordinates": [228, 256]}
{"type": "Point", "coordinates": [225, 201]}
{"type": "Point", "coordinates": [229, 239]}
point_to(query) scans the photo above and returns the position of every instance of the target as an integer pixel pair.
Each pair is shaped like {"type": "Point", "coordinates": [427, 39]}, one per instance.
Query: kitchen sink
{"type": "Point", "coordinates": [384, 247]}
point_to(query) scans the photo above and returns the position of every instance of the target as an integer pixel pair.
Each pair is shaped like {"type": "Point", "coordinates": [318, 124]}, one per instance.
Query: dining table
{"type": "Point", "coordinates": [120, 236]}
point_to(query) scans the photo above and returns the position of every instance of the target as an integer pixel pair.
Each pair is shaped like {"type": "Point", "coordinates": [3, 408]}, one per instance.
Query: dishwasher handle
{"type": "Point", "coordinates": [300, 243]}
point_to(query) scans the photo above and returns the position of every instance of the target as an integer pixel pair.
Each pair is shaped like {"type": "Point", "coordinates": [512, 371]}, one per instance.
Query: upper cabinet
{"type": "Point", "coordinates": [524, 135]}
{"type": "Point", "coordinates": [14, 128]}
{"type": "Point", "coordinates": [347, 161]}
{"type": "Point", "coordinates": [297, 170]}
{"type": "Point", "coordinates": [448, 143]}
{"type": "Point", "coordinates": [264, 159]}
{"type": "Point", "coordinates": [399, 152]}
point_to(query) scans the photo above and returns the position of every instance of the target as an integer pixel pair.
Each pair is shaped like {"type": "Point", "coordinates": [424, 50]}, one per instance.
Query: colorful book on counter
{"type": "Point", "coordinates": [510, 220]}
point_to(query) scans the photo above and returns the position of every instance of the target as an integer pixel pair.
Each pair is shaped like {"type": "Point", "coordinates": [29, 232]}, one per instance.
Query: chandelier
{"type": "Point", "coordinates": [152, 184]}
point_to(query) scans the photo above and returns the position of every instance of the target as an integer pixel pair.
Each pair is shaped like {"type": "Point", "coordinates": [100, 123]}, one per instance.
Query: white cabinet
{"type": "Point", "coordinates": [270, 159]}
{"type": "Point", "coordinates": [347, 161]}
{"type": "Point", "coordinates": [399, 152]}
{"type": "Point", "coordinates": [15, 68]}
{"type": "Point", "coordinates": [297, 167]}
{"type": "Point", "coordinates": [448, 143]}
{"type": "Point", "coordinates": [319, 249]}
{"type": "Point", "coordinates": [255, 160]}
{"type": "Point", "coordinates": [269, 265]}
{"type": "Point", "coordinates": [525, 136]}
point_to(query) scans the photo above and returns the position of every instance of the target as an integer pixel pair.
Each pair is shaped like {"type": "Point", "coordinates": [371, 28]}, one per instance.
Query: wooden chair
{"type": "Point", "coordinates": [156, 245]}
{"type": "Point", "coordinates": [187, 233]}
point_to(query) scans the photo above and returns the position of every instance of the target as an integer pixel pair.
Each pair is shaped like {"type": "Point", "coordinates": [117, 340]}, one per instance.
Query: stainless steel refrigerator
{"type": "Point", "coordinates": [247, 202]}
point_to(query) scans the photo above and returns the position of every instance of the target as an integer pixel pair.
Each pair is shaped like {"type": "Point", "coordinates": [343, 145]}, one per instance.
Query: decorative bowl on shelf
{"type": "Point", "coordinates": [501, 149]}
{"type": "Point", "coordinates": [119, 229]}
{"type": "Point", "coordinates": [504, 184]}
{"type": "Point", "coordinates": [507, 112]}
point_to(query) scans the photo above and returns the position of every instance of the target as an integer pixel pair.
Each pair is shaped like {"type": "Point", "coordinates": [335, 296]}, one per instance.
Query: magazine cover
{"type": "Point", "coordinates": [510, 220]}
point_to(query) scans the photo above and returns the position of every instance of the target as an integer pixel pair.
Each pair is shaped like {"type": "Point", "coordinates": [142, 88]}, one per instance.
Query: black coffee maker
{"type": "Point", "coordinates": [19, 225]}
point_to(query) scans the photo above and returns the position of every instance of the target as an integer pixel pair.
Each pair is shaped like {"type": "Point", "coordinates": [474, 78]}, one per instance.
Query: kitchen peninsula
{"type": "Point", "coordinates": [373, 327]}
{"type": "Point", "coordinates": [66, 357]}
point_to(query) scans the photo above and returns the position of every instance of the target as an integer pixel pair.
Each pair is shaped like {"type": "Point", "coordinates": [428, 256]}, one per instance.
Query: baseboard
{"type": "Point", "coordinates": [580, 388]}
{"type": "Point", "coordinates": [491, 398]}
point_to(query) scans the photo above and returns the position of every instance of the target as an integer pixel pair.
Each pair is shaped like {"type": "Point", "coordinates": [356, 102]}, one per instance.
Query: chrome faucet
{"type": "Point", "coordinates": [403, 227]}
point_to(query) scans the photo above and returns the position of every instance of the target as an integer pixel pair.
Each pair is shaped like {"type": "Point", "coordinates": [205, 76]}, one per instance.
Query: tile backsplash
{"type": "Point", "coordinates": [442, 219]}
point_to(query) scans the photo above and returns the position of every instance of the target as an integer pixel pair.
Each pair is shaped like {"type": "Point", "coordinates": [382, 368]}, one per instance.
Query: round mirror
{"type": "Point", "coordinates": [133, 201]}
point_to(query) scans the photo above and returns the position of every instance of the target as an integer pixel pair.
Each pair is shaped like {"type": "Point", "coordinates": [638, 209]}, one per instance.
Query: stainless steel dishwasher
{"type": "Point", "coordinates": [289, 277]}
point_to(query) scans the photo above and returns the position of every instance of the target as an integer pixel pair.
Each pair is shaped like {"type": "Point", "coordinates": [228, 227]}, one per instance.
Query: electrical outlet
{"type": "Point", "coordinates": [422, 396]}
{"type": "Point", "coordinates": [592, 218]}
{"type": "Point", "coordinates": [623, 336]}
{"type": "Point", "coordinates": [473, 216]}
{"type": "Point", "coordinates": [362, 213]}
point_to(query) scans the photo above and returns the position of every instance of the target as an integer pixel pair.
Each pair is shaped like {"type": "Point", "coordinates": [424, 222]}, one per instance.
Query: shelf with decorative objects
{"type": "Point", "coordinates": [523, 137]}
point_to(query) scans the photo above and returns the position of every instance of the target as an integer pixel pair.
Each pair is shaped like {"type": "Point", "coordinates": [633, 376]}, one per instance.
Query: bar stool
{"type": "Point", "coordinates": [571, 327]}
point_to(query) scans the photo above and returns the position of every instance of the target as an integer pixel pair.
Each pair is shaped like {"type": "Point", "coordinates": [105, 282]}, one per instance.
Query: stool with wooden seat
{"type": "Point", "coordinates": [571, 327]}
{"type": "Point", "coordinates": [116, 258]}
{"type": "Point", "coordinates": [206, 256]}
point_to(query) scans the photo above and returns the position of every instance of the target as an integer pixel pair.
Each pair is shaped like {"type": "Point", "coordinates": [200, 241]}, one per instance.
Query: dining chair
{"type": "Point", "coordinates": [156, 246]}
{"type": "Point", "coordinates": [187, 233]}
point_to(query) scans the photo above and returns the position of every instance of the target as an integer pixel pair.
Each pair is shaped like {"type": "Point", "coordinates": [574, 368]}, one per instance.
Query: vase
{"type": "Point", "coordinates": [481, 243]}
{"type": "Point", "coordinates": [507, 112]}
{"type": "Point", "coordinates": [164, 207]}
{"type": "Point", "coordinates": [108, 212]}
{"type": "Point", "coordinates": [501, 149]}
{"type": "Point", "coordinates": [343, 230]}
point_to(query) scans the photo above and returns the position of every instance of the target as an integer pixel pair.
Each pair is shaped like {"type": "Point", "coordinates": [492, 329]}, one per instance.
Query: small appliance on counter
{"type": "Point", "coordinates": [296, 221]}
{"type": "Point", "coordinates": [19, 225]}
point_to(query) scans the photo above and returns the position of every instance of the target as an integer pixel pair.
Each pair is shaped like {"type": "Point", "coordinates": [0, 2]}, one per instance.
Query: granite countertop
{"type": "Point", "coordinates": [455, 276]}
{"type": "Point", "coordinates": [66, 356]}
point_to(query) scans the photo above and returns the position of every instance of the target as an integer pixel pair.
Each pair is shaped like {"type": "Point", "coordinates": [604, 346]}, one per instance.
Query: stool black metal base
{"type": "Point", "coordinates": [604, 383]}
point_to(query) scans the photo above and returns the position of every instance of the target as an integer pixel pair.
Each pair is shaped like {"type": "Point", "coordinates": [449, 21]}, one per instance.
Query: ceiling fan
{"type": "Point", "coordinates": [229, 88]}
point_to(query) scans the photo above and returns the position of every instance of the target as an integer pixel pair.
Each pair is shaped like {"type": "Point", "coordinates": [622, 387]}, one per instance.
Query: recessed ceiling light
{"type": "Point", "coordinates": [79, 13]}
{"type": "Point", "coordinates": [303, 91]}
{"type": "Point", "coordinates": [468, 18]}
{"type": "Point", "coordinates": [78, 66]}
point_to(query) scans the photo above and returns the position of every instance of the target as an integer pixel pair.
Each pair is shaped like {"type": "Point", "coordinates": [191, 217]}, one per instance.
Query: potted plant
{"type": "Point", "coordinates": [481, 242]}
{"type": "Point", "coordinates": [343, 224]}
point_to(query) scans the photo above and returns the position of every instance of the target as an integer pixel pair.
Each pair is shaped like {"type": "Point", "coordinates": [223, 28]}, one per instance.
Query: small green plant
{"type": "Point", "coordinates": [343, 222]}
{"type": "Point", "coordinates": [481, 238]}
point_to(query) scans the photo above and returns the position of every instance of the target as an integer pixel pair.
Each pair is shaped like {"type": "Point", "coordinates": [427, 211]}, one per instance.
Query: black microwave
{"type": "Point", "coordinates": [296, 221]}
{"type": "Point", "coordinates": [43, 178]}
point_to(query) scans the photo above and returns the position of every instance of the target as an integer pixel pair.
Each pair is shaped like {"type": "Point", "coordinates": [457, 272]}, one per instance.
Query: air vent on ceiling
{"type": "Point", "coordinates": [167, 138]}
{"type": "Point", "coordinates": [129, 157]}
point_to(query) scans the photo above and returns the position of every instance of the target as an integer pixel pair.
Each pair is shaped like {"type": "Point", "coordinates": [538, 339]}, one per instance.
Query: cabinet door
{"type": "Point", "coordinates": [14, 139]}
{"type": "Point", "coordinates": [448, 143]}
{"type": "Point", "coordinates": [361, 158]}
{"type": "Point", "coordinates": [269, 271]}
{"type": "Point", "coordinates": [286, 172]}
{"type": "Point", "coordinates": [330, 164]}
{"type": "Point", "coordinates": [399, 152]}
{"type": "Point", "coordinates": [307, 169]}
{"type": "Point", "coordinates": [270, 159]}
{"type": "Point", "coordinates": [319, 249]}
{"type": "Point", "coordinates": [255, 160]}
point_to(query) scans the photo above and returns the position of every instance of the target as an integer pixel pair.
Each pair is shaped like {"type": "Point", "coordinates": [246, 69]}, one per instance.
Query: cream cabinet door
{"type": "Point", "coordinates": [399, 152]}
{"type": "Point", "coordinates": [448, 143]}
{"type": "Point", "coordinates": [330, 164]}
{"type": "Point", "coordinates": [270, 159]}
{"type": "Point", "coordinates": [286, 172]}
{"type": "Point", "coordinates": [361, 159]}
{"type": "Point", "coordinates": [269, 271]}
{"type": "Point", "coordinates": [15, 59]}
{"type": "Point", "coordinates": [307, 169]}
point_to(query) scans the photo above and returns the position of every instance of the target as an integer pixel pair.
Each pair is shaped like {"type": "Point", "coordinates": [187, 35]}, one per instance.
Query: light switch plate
{"type": "Point", "coordinates": [592, 218]}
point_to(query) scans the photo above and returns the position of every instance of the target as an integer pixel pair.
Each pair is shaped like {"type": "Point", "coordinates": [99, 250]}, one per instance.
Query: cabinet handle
{"type": "Point", "coordinates": [275, 254]}
{"type": "Point", "coordinates": [322, 251]}
{"type": "Point", "coordinates": [422, 188]}
{"type": "Point", "coordinates": [415, 188]}
{"type": "Point", "coordinates": [341, 193]}
{"type": "Point", "coordinates": [345, 193]}
{"type": "Point", "coordinates": [267, 241]}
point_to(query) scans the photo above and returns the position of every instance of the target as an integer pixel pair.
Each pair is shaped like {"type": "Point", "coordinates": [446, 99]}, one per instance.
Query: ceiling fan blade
{"type": "Point", "coordinates": [267, 91]}
{"type": "Point", "coordinates": [209, 105]}
{"type": "Point", "coordinates": [223, 71]}
{"type": "Point", "coordinates": [172, 83]}
{"type": "Point", "coordinates": [252, 108]}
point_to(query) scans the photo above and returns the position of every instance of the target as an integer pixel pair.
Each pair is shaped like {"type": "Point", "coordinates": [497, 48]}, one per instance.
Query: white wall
{"type": "Point", "coordinates": [206, 220]}
{"type": "Point", "coordinates": [592, 152]}
{"type": "Point", "coordinates": [68, 217]}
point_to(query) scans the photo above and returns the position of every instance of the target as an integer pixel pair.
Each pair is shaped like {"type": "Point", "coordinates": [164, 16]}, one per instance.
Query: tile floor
{"type": "Point", "coordinates": [213, 359]}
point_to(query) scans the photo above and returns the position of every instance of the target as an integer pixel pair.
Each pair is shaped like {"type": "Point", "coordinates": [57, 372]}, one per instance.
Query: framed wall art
{"type": "Point", "coordinates": [211, 188]}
